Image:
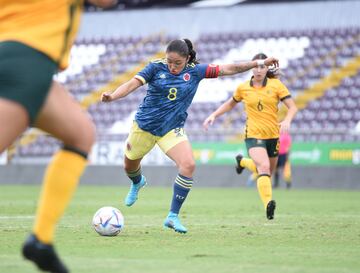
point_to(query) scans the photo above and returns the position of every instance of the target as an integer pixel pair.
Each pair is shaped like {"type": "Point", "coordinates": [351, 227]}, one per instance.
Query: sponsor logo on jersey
{"type": "Point", "coordinates": [163, 76]}
{"type": "Point", "coordinates": [186, 77]}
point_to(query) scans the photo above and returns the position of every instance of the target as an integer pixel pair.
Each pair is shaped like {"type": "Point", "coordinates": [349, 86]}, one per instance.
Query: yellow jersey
{"type": "Point", "coordinates": [49, 26]}
{"type": "Point", "coordinates": [261, 107]}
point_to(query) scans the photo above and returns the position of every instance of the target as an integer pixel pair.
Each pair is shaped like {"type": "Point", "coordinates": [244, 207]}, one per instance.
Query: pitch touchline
{"type": "Point", "coordinates": [16, 216]}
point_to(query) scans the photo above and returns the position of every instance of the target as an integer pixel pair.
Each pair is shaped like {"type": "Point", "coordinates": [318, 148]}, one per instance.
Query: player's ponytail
{"type": "Point", "coordinates": [184, 48]}
{"type": "Point", "coordinates": [271, 73]}
{"type": "Point", "coordinates": [192, 52]}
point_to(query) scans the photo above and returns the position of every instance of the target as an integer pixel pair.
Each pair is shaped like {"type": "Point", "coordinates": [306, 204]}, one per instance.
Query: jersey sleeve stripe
{"type": "Point", "coordinates": [235, 99]}
{"type": "Point", "coordinates": [286, 97]}
{"type": "Point", "coordinates": [138, 77]}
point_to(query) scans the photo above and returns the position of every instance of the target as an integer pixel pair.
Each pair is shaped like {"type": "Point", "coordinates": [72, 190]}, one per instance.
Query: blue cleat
{"type": "Point", "coordinates": [132, 195]}
{"type": "Point", "coordinates": [172, 221]}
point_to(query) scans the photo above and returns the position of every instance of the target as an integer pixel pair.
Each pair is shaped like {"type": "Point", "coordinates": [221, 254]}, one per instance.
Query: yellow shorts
{"type": "Point", "coordinates": [140, 142]}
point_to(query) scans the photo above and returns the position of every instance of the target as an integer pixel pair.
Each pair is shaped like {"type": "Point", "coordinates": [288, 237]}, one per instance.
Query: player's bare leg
{"type": "Point", "coordinates": [11, 128]}
{"type": "Point", "coordinates": [264, 165]}
{"type": "Point", "coordinates": [62, 117]}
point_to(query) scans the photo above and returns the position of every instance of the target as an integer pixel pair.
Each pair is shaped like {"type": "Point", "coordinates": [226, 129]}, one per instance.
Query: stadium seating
{"type": "Point", "coordinates": [306, 57]}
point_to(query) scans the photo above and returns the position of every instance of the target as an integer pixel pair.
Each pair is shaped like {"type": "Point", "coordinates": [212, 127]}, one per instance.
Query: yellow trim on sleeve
{"type": "Point", "coordinates": [140, 78]}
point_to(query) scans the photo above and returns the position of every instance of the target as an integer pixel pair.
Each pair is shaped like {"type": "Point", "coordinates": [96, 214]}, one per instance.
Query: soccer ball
{"type": "Point", "coordinates": [108, 221]}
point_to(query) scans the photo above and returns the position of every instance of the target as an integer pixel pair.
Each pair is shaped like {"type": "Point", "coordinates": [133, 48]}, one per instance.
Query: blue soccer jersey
{"type": "Point", "coordinates": [169, 96]}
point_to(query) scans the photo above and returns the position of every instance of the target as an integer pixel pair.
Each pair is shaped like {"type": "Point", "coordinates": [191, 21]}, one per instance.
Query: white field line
{"type": "Point", "coordinates": [6, 217]}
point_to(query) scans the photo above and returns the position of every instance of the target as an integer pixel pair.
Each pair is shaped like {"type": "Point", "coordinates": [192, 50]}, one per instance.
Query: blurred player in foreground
{"type": "Point", "coordinates": [172, 84]}
{"type": "Point", "coordinates": [35, 41]}
{"type": "Point", "coordinates": [261, 96]}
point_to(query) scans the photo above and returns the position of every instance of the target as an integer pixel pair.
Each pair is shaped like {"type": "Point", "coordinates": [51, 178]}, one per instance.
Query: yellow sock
{"type": "Point", "coordinates": [60, 181]}
{"type": "Point", "coordinates": [248, 164]}
{"type": "Point", "coordinates": [264, 188]}
{"type": "Point", "coordinates": [254, 176]}
{"type": "Point", "coordinates": [287, 172]}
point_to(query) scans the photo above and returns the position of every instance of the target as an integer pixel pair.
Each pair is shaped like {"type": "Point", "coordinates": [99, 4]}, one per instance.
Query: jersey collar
{"type": "Point", "coordinates": [263, 83]}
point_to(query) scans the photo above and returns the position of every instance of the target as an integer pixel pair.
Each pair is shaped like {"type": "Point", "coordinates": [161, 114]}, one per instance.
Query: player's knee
{"type": "Point", "coordinates": [90, 132]}
{"type": "Point", "coordinates": [84, 138]}
{"type": "Point", "coordinates": [131, 166]}
{"type": "Point", "coordinates": [263, 167]}
{"type": "Point", "coordinates": [128, 168]}
{"type": "Point", "coordinates": [187, 167]}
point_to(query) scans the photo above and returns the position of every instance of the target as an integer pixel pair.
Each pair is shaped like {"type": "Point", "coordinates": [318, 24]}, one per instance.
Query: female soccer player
{"type": "Point", "coordinates": [172, 84]}
{"type": "Point", "coordinates": [35, 40]}
{"type": "Point", "coordinates": [261, 96]}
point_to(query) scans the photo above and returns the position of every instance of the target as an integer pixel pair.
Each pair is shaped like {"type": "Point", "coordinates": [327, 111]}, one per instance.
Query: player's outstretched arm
{"type": "Point", "coordinates": [231, 69]}
{"type": "Point", "coordinates": [122, 91]}
{"type": "Point", "coordinates": [225, 107]}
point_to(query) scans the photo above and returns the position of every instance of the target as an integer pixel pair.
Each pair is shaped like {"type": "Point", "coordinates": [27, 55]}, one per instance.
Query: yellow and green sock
{"type": "Point", "coordinates": [248, 164]}
{"type": "Point", "coordinates": [59, 184]}
{"type": "Point", "coordinates": [264, 188]}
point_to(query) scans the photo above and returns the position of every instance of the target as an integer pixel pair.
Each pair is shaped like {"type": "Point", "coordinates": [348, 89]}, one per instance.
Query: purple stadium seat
{"type": "Point", "coordinates": [336, 138]}
{"type": "Point", "coordinates": [324, 138]}
{"type": "Point", "coordinates": [334, 116]}
{"type": "Point", "coordinates": [322, 115]}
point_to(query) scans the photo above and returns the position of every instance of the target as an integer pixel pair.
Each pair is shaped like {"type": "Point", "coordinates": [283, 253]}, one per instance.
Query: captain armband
{"type": "Point", "coordinates": [212, 71]}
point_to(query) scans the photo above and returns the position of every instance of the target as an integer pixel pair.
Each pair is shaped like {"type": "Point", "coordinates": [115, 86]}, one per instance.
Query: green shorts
{"type": "Point", "coordinates": [271, 145]}
{"type": "Point", "coordinates": [25, 76]}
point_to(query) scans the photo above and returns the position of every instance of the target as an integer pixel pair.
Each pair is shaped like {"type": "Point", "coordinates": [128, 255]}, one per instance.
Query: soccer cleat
{"type": "Point", "coordinates": [132, 195]}
{"type": "Point", "coordinates": [172, 221]}
{"type": "Point", "coordinates": [43, 255]}
{"type": "Point", "coordinates": [270, 209]}
{"type": "Point", "coordinates": [238, 168]}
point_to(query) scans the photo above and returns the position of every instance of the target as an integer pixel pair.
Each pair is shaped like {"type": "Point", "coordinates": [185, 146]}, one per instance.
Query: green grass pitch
{"type": "Point", "coordinates": [314, 231]}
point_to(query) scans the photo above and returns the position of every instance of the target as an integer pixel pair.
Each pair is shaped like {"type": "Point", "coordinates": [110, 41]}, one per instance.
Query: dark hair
{"type": "Point", "coordinates": [270, 73]}
{"type": "Point", "coordinates": [184, 48]}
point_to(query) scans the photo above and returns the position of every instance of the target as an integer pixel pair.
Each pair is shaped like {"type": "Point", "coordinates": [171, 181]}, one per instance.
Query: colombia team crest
{"type": "Point", "coordinates": [186, 77]}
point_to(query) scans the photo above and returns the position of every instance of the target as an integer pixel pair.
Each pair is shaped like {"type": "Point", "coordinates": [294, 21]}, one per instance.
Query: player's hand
{"type": "Point", "coordinates": [106, 97]}
{"type": "Point", "coordinates": [208, 121]}
{"type": "Point", "coordinates": [284, 126]}
{"type": "Point", "coordinates": [271, 61]}
{"type": "Point", "coordinates": [276, 72]}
